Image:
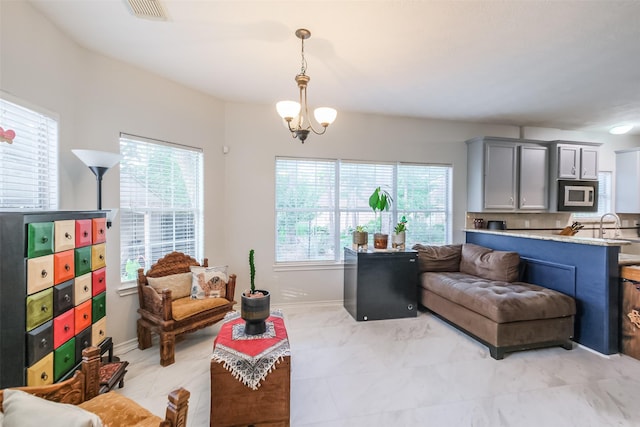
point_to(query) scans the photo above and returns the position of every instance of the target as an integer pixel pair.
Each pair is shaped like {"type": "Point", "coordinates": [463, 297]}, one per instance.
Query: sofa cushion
{"type": "Point", "coordinates": [438, 258]}
{"type": "Point", "coordinates": [118, 410]}
{"type": "Point", "coordinates": [22, 409]}
{"type": "Point", "coordinates": [489, 264]}
{"type": "Point", "coordinates": [186, 307]}
{"type": "Point", "coordinates": [499, 301]}
{"type": "Point", "coordinates": [179, 284]}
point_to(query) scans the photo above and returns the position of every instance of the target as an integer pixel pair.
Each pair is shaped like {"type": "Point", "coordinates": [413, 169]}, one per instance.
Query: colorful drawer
{"type": "Point", "coordinates": [98, 281]}
{"type": "Point", "coordinates": [64, 235]}
{"type": "Point", "coordinates": [82, 314]}
{"type": "Point", "coordinates": [41, 372]}
{"type": "Point", "coordinates": [63, 266]}
{"type": "Point", "coordinates": [40, 239]}
{"type": "Point", "coordinates": [82, 289]}
{"type": "Point", "coordinates": [83, 260]}
{"type": "Point", "coordinates": [39, 273]}
{"type": "Point", "coordinates": [63, 297]}
{"type": "Point", "coordinates": [83, 233]}
{"type": "Point", "coordinates": [99, 331]}
{"type": "Point", "coordinates": [98, 256]}
{"type": "Point", "coordinates": [39, 308]}
{"type": "Point", "coordinates": [99, 230]}
{"type": "Point", "coordinates": [64, 358]}
{"type": "Point", "coordinates": [99, 306]}
{"type": "Point", "coordinates": [39, 342]}
{"type": "Point", "coordinates": [64, 328]}
{"type": "Point", "coordinates": [83, 340]}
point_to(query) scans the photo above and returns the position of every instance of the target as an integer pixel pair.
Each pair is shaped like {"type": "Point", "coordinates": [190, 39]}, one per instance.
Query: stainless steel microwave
{"type": "Point", "coordinates": [577, 196]}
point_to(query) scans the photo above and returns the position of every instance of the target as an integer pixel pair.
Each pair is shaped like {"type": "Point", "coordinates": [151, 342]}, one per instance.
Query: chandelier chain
{"type": "Point", "coordinates": [303, 64]}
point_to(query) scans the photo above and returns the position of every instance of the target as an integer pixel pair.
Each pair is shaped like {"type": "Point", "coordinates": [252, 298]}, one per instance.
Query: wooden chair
{"type": "Point", "coordinates": [83, 390]}
{"type": "Point", "coordinates": [159, 313]}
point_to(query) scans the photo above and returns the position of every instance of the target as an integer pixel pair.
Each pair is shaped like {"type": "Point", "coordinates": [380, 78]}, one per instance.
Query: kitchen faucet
{"type": "Point", "coordinates": [617, 226]}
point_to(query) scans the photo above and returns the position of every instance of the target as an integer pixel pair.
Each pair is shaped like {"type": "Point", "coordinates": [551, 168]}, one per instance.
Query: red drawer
{"type": "Point", "coordinates": [63, 328]}
{"type": "Point", "coordinates": [99, 230]}
{"type": "Point", "coordinates": [63, 266]}
{"type": "Point", "coordinates": [82, 315]}
{"type": "Point", "coordinates": [98, 281]}
{"type": "Point", "coordinates": [83, 232]}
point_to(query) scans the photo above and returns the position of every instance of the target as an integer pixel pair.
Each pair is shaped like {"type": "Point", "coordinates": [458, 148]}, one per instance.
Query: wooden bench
{"type": "Point", "coordinates": [158, 311]}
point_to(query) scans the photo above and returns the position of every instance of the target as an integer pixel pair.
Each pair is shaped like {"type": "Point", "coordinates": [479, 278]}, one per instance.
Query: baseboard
{"type": "Point", "coordinates": [125, 347]}
{"type": "Point", "coordinates": [327, 303]}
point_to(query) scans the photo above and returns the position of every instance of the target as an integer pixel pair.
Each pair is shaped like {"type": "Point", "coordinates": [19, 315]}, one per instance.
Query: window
{"type": "Point", "coordinates": [160, 202]}
{"type": "Point", "coordinates": [29, 165]}
{"type": "Point", "coordinates": [604, 198]}
{"type": "Point", "coordinates": [320, 202]}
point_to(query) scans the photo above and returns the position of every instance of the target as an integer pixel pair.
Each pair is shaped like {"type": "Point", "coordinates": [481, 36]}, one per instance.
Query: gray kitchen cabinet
{"type": "Point", "coordinates": [505, 174]}
{"type": "Point", "coordinates": [628, 181]}
{"type": "Point", "coordinates": [574, 161]}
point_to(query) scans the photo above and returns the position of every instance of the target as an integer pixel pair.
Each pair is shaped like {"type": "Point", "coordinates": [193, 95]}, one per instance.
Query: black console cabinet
{"type": "Point", "coordinates": [380, 284]}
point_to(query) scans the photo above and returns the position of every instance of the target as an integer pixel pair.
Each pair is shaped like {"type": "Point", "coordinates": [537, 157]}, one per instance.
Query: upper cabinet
{"type": "Point", "coordinates": [506, 175]}
{"type": "Point", "coordinates": [628, 181]}
{"type": "Point", "coordinates": [574, 160]}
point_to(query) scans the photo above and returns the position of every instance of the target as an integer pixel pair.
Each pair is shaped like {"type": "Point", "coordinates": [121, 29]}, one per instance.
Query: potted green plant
{"type": "Point", "coordinates": [399, 234]}
{"type": "Point", "coordinates": [360, 237]}
{"type": "Point", "coordinates": [379, 201]}
{"type": "Point", "coordinates": [254, 303]}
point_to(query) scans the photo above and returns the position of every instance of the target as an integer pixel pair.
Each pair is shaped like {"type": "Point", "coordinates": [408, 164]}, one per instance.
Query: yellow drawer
{"type": "Point", "coordinates": [39, 308]}
{"type": "Point", "coordinates": [64, 235]}
{"type": "Point", "coordinates": [99, 331]}
{"type": "Point", "coordinates": [98, 256]}
{"type": "Point", "coordinates": [41, 372]}
{"type": "Point", "coordinates": [39, 273]}
{"type": "Point", "coordinates": [82, 289]}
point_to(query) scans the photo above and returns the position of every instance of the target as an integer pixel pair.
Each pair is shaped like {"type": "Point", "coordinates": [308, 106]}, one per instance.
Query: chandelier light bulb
{"type": "Point", "coordinates": [288, 109]}
{"type": "Point", "coordinates": [325, 115]}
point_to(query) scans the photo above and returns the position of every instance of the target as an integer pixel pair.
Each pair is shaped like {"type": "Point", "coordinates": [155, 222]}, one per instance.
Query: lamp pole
{"type": "Point", "coordinates": [99, 171]}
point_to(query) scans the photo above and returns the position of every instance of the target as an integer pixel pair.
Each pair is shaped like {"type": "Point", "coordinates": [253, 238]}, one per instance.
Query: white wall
{"type": "Point", "coordinates": [97, 98]}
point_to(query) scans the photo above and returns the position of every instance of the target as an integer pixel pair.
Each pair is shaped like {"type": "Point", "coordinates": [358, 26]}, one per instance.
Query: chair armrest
{"type": "Point", "coordinates": [177, 407]}
{"type": "Point", "coordinates": [231, 288]}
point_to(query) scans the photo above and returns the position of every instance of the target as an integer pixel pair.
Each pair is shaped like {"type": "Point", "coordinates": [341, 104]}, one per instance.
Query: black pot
{"type": "Point", "coordinates": [497, 225]}
{"type": "Point", "coordinates": [255, 311]}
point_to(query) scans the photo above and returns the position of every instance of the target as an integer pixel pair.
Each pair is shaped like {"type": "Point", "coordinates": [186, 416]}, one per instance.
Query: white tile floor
{"type": "Point", "coordinates": [408, 372]}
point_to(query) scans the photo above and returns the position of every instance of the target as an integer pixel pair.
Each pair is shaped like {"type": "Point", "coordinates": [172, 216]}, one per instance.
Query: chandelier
{"type": "Point", "coordinates": [296, 114]}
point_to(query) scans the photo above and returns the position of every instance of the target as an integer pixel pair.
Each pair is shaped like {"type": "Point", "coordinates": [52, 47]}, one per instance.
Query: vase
{"type": "Point", "coordinates": [360, 237]}
{"type": "Point", "coordinates": [255, 311]}
{"type": "Point", "coordinates": [398, 240]}
{"type": "Point", "coordinates": [380, 240]}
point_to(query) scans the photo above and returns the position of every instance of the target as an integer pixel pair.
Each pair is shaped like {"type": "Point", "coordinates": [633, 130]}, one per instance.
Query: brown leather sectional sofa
{"type": "Point", "coordinates": [476, 289]}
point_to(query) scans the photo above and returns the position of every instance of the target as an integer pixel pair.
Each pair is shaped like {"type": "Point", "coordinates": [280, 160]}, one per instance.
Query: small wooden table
{"type": "Point", "coordinates": [236, 404]}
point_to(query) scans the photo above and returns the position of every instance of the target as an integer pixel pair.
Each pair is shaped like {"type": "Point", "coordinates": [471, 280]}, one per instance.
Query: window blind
{"type": "Point", "coordinates": [28, 166]}
{"type": "Point", "coordinates": [161, 197]}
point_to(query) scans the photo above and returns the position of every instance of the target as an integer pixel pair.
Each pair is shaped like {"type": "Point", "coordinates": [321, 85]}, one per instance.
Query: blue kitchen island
{"type": "Point", "coordinates": [584, 268]}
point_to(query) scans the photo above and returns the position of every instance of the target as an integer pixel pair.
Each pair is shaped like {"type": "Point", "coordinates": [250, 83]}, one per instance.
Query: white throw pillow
{"type": "Point", "coordinates": [209, 282]}
{"type": "Point", "coordinates": [179, 284]}
{"type": "Point", "coordinates": [22, 409]}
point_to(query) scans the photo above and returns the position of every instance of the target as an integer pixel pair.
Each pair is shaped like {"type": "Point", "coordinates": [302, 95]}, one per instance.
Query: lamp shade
{"type": "Point", "coordinates": [325, 115]}
{"type": "Point", "coordinates": [102, 159]}
{"type": "Point", "coordinates": [288, 109]}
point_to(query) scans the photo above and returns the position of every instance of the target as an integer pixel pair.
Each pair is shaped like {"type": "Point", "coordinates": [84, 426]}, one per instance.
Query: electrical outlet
{"type": "Point", "coordinates": [527, 224]}
{"type": "Point", "coordinates": [558, 224]}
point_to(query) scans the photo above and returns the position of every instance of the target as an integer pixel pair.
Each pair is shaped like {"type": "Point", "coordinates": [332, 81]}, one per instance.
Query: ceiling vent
{"type": "Point", "coordinates": [147, 9]}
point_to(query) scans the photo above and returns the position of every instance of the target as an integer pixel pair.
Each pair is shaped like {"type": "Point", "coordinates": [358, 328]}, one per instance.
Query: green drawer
{"type": "Point", "coordinates": [83, 260]}
{"type": "Point", "coordinates": [39, 308]}
{"type": "Point", "coordinates": [64, 358]}
{"type": "Point", "coordinates": [99, 307]}
{"type": "Point", "coordinates": [40, 239]}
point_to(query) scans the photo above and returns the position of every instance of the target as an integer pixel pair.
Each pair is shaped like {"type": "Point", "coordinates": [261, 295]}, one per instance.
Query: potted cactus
{"type": "Point", "coordinates": [254, 304]}
{"type": "Point", "coordinates": [360, 236]}
{"type": "Point", "coordinates": [379, 201]}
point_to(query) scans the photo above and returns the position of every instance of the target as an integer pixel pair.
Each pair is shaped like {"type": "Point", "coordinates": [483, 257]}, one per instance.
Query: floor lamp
{"type": "Point", "coordinates": [99, 162]}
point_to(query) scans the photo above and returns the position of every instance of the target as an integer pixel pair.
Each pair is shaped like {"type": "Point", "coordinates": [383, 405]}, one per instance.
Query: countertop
{"type": "Point", "coordinates": [623, 259]}
{"type": "Point", "coordinates": [553, 237]}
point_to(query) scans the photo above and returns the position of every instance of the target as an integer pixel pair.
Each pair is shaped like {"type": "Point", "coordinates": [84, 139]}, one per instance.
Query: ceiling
{"type": "Point", "coordinates": [571, 65]}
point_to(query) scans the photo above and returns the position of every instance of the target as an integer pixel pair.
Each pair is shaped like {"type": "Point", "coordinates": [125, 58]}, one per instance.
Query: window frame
{"type": "Point", "coordinates": [154, 236]}
{"type": "Point", "coordinates": [391, 217]}
{"type": "Point", "coordinates": [46, 153]}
